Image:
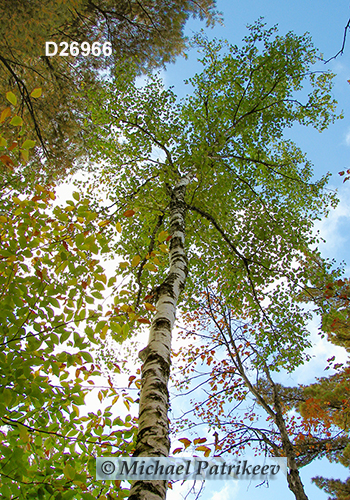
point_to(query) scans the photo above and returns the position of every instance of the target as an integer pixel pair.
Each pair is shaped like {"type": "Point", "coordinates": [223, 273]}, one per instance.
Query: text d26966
{"type": "Point", "coordinates": [74, 49]}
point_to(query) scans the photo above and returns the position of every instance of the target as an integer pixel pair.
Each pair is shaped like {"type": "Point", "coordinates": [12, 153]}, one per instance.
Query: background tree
{"type": "Point", "coordinates": [221, 360]}
{"type": "Point", "coordinates": [146, 33]}
{"type": "Point", "coordinates": [326, 408]}
{"type": "Point", "coordinates": [325, 403]}
{"type": "Point", "coordinates": [51, 316]}
{"type": "Point", "coordinates": [329, 291]}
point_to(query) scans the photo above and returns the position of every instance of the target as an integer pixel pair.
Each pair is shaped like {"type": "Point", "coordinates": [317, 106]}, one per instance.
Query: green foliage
{"type": "Point", "coordinates": [251, 203]}
{"type": "Point", "coordinates": [338, 490]}
{"type": "Point", "coordinates": [250, 208]}
{"type": "Point", "coordinates": [51, 280]}
{"type": "Point", "coordinates": [330, 291]}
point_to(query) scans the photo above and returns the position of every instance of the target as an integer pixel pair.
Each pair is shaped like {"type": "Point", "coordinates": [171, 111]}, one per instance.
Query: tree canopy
{"type": "Point", "coordinates": [145, 34]}
{"type": "Point", "coordinates": [217, 163]}
{"type": "Point", "coordinates": [206, 192]}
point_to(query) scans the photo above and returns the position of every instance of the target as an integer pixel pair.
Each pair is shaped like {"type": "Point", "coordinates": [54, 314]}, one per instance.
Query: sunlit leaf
{"type": "Point", "coordinates": [16, 121]}
{"type": "Point", "coordinates": [28, 144]}
{"type": "Point", "coordinates": [205, 449]}
{"type": "Point", "coordinates": [5, 113]}
{"type": "Point", "coordinates": [135, 261]}
{"type": "Point", "coordinates": [10, 96]}
{"type": "Point", "coordinates": [150, 307]}
{"type": "Point", "coordinates": [186, 442]}
{"type": "Point", "coordinates": [36, 92]}
{"type": "Point", "coordinates": [162, 236]}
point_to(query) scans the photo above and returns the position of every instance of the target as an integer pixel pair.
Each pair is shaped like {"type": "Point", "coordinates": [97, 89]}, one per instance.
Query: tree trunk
{"type": "Point", "coordinates": [293, 477]}
{"type": "Point", "coordinates": [295, 484]}
{"type": "Point", "coordinates": [153, 425]}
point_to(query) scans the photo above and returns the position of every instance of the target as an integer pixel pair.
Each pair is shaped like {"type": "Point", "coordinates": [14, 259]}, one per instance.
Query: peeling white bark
{"type": "Point", "coordinates": [153, 432]}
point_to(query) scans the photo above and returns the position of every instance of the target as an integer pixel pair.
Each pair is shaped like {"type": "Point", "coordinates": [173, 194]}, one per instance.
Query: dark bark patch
{"type": "Point", "coordinates": [176, 241]}
{"type": "Point", "coordinates": [142, 486]}
{"type": "Point", "coordinates": [164, 366]}
{"type": "Point", "coordinates": [162, 323]}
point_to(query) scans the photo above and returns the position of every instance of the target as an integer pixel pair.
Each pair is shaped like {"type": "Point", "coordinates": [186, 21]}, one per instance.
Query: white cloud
{"type": "Point", "coordinates": [228, 492]}
{"type": "Point", "coordinates": [347, 137]}
{"type": "Point", "coordinates": [320, 351]}
{"type": "Point", "coordinates": [332, 229]}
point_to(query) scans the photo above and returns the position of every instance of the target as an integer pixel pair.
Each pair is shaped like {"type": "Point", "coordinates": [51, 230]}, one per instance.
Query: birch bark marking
{"type": "Point", "coordinates": [153, 432]}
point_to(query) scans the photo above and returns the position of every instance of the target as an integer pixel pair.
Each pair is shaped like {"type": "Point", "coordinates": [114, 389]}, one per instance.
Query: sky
{"type": "Point", "coordinates": [328, 151]}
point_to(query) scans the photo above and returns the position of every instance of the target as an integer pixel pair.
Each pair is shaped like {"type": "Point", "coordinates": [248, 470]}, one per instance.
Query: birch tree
{"type": "Point", "coordinates": [214, 177]}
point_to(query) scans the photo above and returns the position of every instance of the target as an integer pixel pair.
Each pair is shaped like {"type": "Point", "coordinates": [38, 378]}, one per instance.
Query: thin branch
{"type": "Point", "coordinates": [341, 51]}
{"type": "Point", "coordinates": [26, 97]}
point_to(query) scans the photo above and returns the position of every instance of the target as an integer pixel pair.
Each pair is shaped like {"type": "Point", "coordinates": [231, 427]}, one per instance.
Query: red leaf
{"type": "Point", "coordinates": [144, 320]}
{"type": "Point", "coordinates": [129, 213]}
{"type": "Point", "coordinates": [185, 441]}
{"type": "Point", "coordinates": [6, 160]}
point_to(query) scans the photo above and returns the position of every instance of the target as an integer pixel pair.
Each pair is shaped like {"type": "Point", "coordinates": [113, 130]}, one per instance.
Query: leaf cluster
{"type": "Point", "coordinates": [51, 281]}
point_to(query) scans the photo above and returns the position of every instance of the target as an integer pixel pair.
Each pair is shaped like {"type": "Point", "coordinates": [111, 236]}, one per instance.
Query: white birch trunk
{"type": "Point", "coordinates": [153, 425]}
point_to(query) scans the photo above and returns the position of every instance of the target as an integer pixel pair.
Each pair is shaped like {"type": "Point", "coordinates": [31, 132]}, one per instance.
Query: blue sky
{"type": "Point", "coordinates": [329, 152]}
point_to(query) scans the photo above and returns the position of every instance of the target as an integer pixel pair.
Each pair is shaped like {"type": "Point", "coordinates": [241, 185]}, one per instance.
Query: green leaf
{"type": "Point", "coordinates": [69, 471]}
{"type": "Point", "coordinates": [25, 155]}
{"type": "Point", "coordinates": [28, 144]}
{"type": "Point", "coordinates": [54, 302]}
{"type": "Point", "coordinates": [10, 96]}
{"type": "Point", "coordinates": [16, 121]}
{"type": "Point", "coordinates": [162, 236]}
{"type": "Point", "coordinates": [87, 356]}
{"type": "Point", "coordinates": [36, 93]}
